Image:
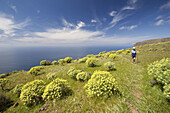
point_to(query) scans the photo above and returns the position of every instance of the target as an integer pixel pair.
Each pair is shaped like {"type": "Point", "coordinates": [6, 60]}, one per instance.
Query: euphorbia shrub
{"type": "Point", "coordinates": [167, 91]}
{"type": "Point", "coordinates": [160, 70]}
{"type": "Point", "coordinates": [57, 89]}
{"type": "Point", "coordinates": [17, 89]}
{"type": "Point", "coordinates": [55, 63]}
{"type": "Point", "coordinates": [45, 62]}
{"type": "Point", "coordinates": [68, 59]}
{"type": "Point", "coordinates": [91, 62]}
{"type": "Point", "coordinates": [32, 91]}
{"type": "Point", "coordinates": [101, 84]}
{"type": "Point", "coordinates": [83, 76]}
{"type": "Point", "coordinates": [113, 56]}
{"type": "Point", "coordinates": [35, 70]}
{"type": "Point", "coordinates": [109, 66]}
{"type": "Point", "coordinates": [72, 72]}
{"type": "Point", "coordinates": [82, 60]}
{"type": "Point", "coordinates": [51, 76]}
{"type": "Point", "coordinates": [61, 61]}
{"type": "Point", "coordinates": [3, 82]}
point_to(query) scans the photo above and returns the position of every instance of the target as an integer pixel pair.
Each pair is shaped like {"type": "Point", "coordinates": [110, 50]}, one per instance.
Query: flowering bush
{"type": "Point", "coordinates": [160, 70]}
{"type": "Point", "coordinates": [55, 62]}
{"type": "Point", "coordinates": [3, 82]}
{"type": "Point", "coordinates": [83, 60]}
{"type": "Point", "coordinates": [119, 51]}
{"type": "Point", "coordinates": [36, 70]}
{"type": "Point", "coordinates": [61, 61]}
{"type": "Point", "coordinates": [113, 56]}
{"type": "Point", "coordinates": [90, 56]}
{"type": "Point", "coordinates": [17, 89]}
{"type": "Point", "coordinates": [32, 91]}
{"type": "Point", "coordinates": [91, 62]}
{"type": "Point", "coordinates": [68, 59]}
{"type": "Point", "coordinates": [107, 54]}
{"type": "Point", "coordinates": [45, 62]}
{"type": "Point", "coordinates": [51, 76]}
{"type": "Point", "coordinates": [110, 66]}
{"type": "Point", "coordinates": [82, 76]}
{"type": "Point", "coordinates": [102, 83]}
{"type": "Point", "coordinates": [72, 72]}
{"type": "Point", "coordinates": [167, 91]}
{"type": "Point", "coordinates": [2, 75]}
{"type": "Point", "coordinates": [56, 89]}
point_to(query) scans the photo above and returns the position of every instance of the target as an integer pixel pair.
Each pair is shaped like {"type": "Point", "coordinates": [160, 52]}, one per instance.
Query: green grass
{"type": "Point", "coordinates": [133, 80]}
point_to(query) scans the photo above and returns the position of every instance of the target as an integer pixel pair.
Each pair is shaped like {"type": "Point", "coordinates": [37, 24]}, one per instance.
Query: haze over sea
{"type": "Point", "coordinates": [23, 58]}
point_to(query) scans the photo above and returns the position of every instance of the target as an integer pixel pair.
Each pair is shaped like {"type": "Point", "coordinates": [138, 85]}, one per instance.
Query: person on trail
{"type": "Point", "coordinates": [133, 54]}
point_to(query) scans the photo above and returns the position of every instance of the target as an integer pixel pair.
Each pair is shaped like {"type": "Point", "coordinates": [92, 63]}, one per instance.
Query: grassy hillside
{"type": "Point", "coordinates": [153, 41]}
{"type": "Point", "coordinates": [136, 91]}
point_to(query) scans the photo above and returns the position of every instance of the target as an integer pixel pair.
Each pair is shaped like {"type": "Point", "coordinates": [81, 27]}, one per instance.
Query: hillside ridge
{"type": "Point", "coordinates": [152, 41]}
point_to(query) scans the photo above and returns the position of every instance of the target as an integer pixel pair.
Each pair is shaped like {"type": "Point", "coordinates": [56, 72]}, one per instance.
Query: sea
{"type": "Point", "coordinates": [23, 58]}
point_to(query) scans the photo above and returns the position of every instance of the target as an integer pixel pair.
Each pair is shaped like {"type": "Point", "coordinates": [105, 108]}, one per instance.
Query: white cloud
{"type": "Point", "coordinates": [112, 13]}
{"type": "Point", "coordinates": [158, 17]}
{"type": "Point", "coordinates": [14, 8]}
{"type": "Point", "coordinates": [128, 8]}
{"type": "Point", "coordinates": [159, 22]}
{"type": "Point", "coordinates": [8, 26]}
{"type": "Point", "coordinates": [117, 18]}
{"type": "Point", "coordinates": [67, 24]}
{"type": "Point", "coordinates": [166, 6]}
{"type": "Point", "coordinates": [128, 27]}
{"type": "Point", "coordinates": [93, 21]}
{"type": "Point", "coordinates": [80, 25]}
{"type": "Point", "coordinates": [61, 36]}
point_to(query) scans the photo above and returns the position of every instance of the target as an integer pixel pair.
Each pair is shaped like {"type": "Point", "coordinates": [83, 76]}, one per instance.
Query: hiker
{"type": "Point", "coordinates": [133, 53]}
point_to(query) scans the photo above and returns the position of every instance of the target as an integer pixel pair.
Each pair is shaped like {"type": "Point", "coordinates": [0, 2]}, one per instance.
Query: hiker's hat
{"type": "Point", "coordinates": [133, 47]}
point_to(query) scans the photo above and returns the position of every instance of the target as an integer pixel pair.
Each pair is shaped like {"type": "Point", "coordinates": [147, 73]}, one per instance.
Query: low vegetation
{"type": "Point", "coordinates": [107, 82]}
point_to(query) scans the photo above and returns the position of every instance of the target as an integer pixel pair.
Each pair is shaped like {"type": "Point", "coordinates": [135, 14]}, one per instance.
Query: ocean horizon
{"type": "Point", "coordinates": [23, 58]}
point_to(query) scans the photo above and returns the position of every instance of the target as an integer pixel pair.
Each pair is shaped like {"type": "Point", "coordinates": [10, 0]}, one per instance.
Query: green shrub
{"type": "Point", "coordinates": [102, 52]}
{"type": "Point", "coordinates": [55, 62]}
{"type": "Point", "coordinates": [2, 75]}
{"type": "Point", "coordinates": [13, 72]}
{"type": "Point", "coordinates": [167, 91]}
{"type": "Point", "coordinates": [119, 51]}
{"type": "Point", "coordinates": [3, 82]}
{"type": "Point", "coordinates": [101, 84]}
{"type": "Point", "coordinates": [56, 90]}
{"type": "Point", "coordinates": [5, 102]}
{"type": "Point", "coordinates": [109, 65]}
{"type": "Point", "coordinates": [90, 56]}
{"type": "Point", "coordinates": [51, 76]}
{"type": "Point", "coordinates": [68, 59]}
{"type": "Point", "coordinates": [91, 62]}
{"type": "Point", "coordinates": [32, 91]}
{"type": "Point", "coordinates": [45, 62]}
{"type": "Point", "coordinates": [48, 63]}
{"type": "Point", "coordinates": [107, 55]}
{"type": "Point", "coordinates": [160, 70]}
{"type": "Point", "coordinates": [82, 76]}
{"type": "Point", "coordinates": [83, 60]}
{"type": "Point", "coordinates": [17, 89]}
{"type": "Point", "coordinates": [36, 70]}
{"type": "Point", "coordinates": [113, 56]}
{"type": "Point", "coordinates": [72, 72]}
{"type": "Point", "coordinates": [61, 61]}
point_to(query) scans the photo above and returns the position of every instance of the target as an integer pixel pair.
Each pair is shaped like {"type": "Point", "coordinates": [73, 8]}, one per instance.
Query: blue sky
{"type": "Point", "coordinates": [82, 22]}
